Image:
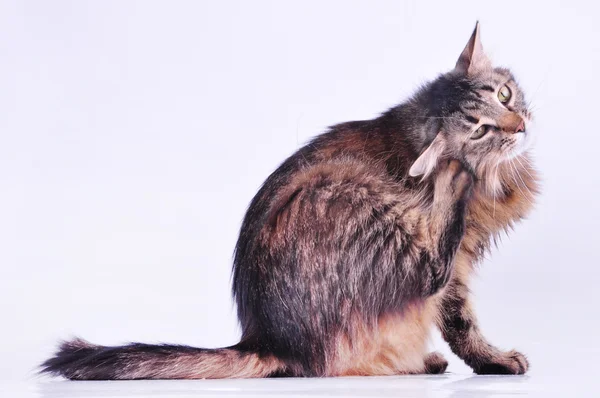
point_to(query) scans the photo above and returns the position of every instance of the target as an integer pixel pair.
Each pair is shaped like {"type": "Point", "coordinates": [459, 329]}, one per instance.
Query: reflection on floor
{"type": "Point", "coordinates": [449, 385]}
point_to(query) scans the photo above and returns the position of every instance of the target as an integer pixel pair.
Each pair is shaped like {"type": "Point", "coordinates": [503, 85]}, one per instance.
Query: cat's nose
{"type": "Point", "coordinates": [511, 123]}
{"type": "Point", "coordinates": [521, 127]}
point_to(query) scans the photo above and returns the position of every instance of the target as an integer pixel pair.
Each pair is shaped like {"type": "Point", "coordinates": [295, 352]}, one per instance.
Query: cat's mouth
{"type": "Point", "coordinates": [521, 144]}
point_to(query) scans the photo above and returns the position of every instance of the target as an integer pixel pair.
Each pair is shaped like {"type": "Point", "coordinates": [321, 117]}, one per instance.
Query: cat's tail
{"type": "Point", "coordinates": [80, 360]}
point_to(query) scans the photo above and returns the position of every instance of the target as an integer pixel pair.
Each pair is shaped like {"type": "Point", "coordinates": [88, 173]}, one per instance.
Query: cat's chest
{"type": "Point", "coordinates": [486, 218]}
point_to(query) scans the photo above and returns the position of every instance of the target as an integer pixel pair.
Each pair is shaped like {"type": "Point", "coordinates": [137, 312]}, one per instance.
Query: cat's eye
{"type": "Point", "coordinates": [504, 94]}
{"type": "Point", "coordinates": [480, 132]}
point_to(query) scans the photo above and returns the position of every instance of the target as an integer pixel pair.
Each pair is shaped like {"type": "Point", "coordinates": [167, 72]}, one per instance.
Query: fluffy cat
{"type": "Point", "coordinates": [363, 241]}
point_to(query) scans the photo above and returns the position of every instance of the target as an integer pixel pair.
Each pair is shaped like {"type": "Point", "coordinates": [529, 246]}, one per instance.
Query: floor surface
{"type": "Point", "coordinates": [449, 385]}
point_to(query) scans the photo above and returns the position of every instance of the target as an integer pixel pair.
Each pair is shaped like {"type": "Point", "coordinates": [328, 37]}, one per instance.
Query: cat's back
{"type": "Point", "coordinates": [356, 152]}
{"type": "Point", "coordinates": [333, 200]}
{"type": "Point", "coordinates": [317, 257]}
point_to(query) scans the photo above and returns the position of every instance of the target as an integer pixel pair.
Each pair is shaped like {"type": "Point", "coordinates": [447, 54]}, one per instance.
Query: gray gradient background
{"type": "Point", "coordinates": [135, 133]}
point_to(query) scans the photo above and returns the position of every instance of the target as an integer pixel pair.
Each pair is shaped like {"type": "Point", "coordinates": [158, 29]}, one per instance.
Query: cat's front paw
{"type": "Point", "coordinates": [507, 363]}
{"type": "Point", "coordinates": [454, 180]}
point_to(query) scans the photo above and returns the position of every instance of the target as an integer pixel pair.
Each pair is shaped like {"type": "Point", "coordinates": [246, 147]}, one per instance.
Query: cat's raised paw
{"type": "Point", "coordinates": [508, 363]}
{"type": "Point", "coordinates": [457, 177]}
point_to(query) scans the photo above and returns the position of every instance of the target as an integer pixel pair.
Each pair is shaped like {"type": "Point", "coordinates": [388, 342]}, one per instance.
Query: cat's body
{"type": "Point", "coordinates": [345, 261]}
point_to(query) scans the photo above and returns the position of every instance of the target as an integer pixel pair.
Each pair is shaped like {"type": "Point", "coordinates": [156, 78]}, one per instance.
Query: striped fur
{"type": "Point", "coordinates": [362, 241]}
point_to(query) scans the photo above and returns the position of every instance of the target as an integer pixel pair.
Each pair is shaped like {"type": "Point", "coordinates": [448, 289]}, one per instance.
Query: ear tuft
{"type": "Point", "coordinates": [473, 58]}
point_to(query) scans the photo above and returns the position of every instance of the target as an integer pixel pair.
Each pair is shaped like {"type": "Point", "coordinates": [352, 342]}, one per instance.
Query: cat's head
{"type": "Point", "coordinates": [475, 113]}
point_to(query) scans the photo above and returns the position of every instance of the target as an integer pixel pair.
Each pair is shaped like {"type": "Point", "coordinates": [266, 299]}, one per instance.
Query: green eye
{"type": "Point", "coordinates": [480, 132]}
{"type": "Point", "coordinates": [504, 94]}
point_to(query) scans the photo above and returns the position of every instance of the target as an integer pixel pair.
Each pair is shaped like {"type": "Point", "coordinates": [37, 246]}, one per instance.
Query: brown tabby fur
{"type": "Point", "coordinates": [486, 218]}
{"type": "Point", "coordinates": [363, 241]}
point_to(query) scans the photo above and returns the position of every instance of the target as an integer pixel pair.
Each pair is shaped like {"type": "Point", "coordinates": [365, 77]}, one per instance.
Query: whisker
{"type": "Point", "coordinates": [524, 168]}
{"type": "Point", "coordinates": [526, 159]}
{"type": "Point", "coordinates": [439, 117]}
{"type": "Point", "coordinates": [535, 93]}
{"type": "Point", "coordinates": [516, 173]}
{"type": "Point", "coordinates": [496, 177]}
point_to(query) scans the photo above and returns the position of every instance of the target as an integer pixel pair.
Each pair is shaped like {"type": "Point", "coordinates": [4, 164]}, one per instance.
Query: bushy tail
{"type": "Point", "coordinates": [80, 360]}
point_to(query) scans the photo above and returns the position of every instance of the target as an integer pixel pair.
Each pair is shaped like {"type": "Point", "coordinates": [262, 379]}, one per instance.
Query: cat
{"type": "Point", "coordinates": [363, 241]}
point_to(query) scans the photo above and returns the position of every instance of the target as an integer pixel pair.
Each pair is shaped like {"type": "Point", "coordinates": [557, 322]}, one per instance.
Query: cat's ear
{"type": "Point", "coordinates": [425, 163]}
{"type": "Point", "coordinates": [473, 58]}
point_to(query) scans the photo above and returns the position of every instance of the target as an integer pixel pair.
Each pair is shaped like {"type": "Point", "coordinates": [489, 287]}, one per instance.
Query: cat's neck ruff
{"type": "Point", "coordinates": [491, 214]}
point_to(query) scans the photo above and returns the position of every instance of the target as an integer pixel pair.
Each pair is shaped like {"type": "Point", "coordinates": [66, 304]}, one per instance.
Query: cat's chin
{"type": "Point", "coordinates": [524, 141]}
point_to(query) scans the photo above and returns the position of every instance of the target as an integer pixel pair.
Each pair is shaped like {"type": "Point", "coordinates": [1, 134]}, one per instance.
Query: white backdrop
{"type": "Point", "coordinates": [135, 133]}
